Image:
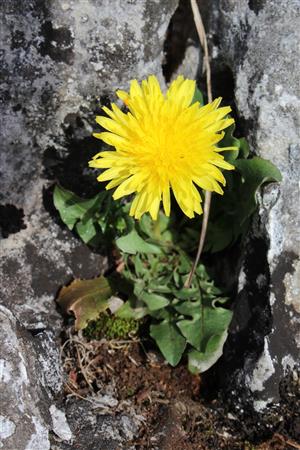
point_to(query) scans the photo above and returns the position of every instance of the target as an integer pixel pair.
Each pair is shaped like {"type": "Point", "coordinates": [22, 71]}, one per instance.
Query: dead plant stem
{"type": "Point", "coordinates": [203, 41]}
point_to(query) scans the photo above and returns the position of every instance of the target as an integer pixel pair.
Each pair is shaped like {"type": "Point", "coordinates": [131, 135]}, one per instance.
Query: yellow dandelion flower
{"type": "Point", "coordinates": [163, 143]}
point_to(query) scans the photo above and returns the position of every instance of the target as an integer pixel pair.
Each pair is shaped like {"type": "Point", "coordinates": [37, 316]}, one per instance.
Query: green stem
{"type": "Point", "coordinates": [156, 228]}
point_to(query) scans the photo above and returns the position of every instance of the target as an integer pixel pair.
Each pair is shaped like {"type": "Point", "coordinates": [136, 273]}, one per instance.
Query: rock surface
{"type": "Point", "coordinates": [24, 416]}
{"type": "Point", "coordinates": [258, 42]}
{"type": "Point", "coordinates": [100, 431]}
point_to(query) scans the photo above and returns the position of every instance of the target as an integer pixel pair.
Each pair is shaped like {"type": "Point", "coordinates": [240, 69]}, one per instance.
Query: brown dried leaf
{"type": "Point", "coordinates": [86, 299]}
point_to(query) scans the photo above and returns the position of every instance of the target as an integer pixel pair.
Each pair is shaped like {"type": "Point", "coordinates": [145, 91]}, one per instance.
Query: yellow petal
{"type": "Point", "coordinates": [221, 163]}
{"type": "Point", "coordinates": [112, 125]}
{"type": "Point", "coordinates": [209, 184]}
{"type": "Point", "coordinates": [154, 208]}
{"type": "Point", "coordinates": [123, 96]}
{"type": "Point", "coordinates": [114, 172]}
{"type": "Point", "coordinates": [112, 139]}
{"type": "Point", "coordinates": [135, 89]}
{"type": "Point", "coordinates": [181, 92]}
{"type": "Point", "coordinates": [166, 200]}
{"type": "Point", "coordinates": [115, 182]}
{"type": "Point", "coordinates": [127, 187]}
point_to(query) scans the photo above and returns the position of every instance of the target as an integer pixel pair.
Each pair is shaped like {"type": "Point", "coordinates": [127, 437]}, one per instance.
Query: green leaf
{"type": "Point", "coordinates": [154, 301]}
{"type": "Point", "coordinates": [186, 294]}
{"type": "Point", "coordinates": [214, 321]}
{"type": "Point", "coordinates": [207, 321]}
{"type": "Point", "coordinates": [230, 141]}
{"type": "Point", "coordinates": [162, 314]}
{"type": "Point", "coordinates": [169, 340]}
{"type": "Point", "coordinates": [87, 230]}
{"type": "Point", "coordinates": [86, 299]}
{"type": "Point", "coordinates": [161, 289]}
{"type": "Point", "coordinates": [255, 172]}
{"type": "Point", "coordinates": [191, 330]}
{"type": "Point", "coordinates": [127, 311]}
{"type": "Point", "coordinates": [244, 148]}
{"type": "Point", "coordinates": [132, 243]}
{"type": "Point", "coordinates": [184, 263]}
{"type": "Point", "coordinates": [73, 208]}
{"type": "Point", "coordinates": [199, 362]}
{"type": "Point", "coordinates": [157, 230]}
{"type": "Point", "coordinates": [231, 213]}
{"type": "Point", "coordinates": [139, 286]}
{"type": "Point", "coordinates": [139, 267]}
{"type": "Point", "coordinates": [189, 308]}
{"type": "Point", "coordinates": [198, 97]}
{"type": "Point", "coordinates": [258, 170]}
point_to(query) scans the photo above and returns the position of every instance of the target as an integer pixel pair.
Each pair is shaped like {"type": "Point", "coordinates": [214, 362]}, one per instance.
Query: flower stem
{"type": "Point", "coordinates": [201, 239]}
{"type": "Point", "coordinates": [203, 41]}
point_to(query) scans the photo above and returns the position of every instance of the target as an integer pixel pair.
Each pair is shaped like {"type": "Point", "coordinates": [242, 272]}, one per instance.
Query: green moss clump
{"type": "Point", "coordinates": [111, 327]}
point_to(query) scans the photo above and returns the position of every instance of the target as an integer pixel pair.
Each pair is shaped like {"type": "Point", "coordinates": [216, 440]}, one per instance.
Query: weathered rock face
{"type": "Point", "coordinates": [258, 42]}
{"type": "Point", "coordinates": [24, 403]}
{"type": "Point", "coordinates": [98, 430]}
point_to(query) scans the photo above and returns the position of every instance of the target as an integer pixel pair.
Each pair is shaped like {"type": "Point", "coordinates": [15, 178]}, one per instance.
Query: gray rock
{"type": "Point", "coordinates": [189, 66]}
{"type": "Point", "coordinates": [48, 354]}
{"type": "Point", "coordinates": [24, 419]}
{"type": "Point", "coordinates": [60, 425]}
{"type": "Point", "coordinates": [94, 431]}
{"type": "Point", "coordinates": [38, 260]}
{"type": "Point", "coordinates": [259, 43]}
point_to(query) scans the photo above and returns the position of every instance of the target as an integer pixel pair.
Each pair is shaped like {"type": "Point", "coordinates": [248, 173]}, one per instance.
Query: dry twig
{"type": "Point", "coordinates": [203, 41]}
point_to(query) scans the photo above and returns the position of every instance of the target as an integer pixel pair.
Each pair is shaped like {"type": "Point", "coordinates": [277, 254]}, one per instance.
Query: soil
{"type": "Point", "coordinates": [172, 400]}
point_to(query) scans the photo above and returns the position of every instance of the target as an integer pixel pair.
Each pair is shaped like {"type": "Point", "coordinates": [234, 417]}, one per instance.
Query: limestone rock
{"type": "Point", "coordinates": [24, 403]}
{"type": "Point", "coordinates": [47, 347]}
{"type": "Point", "coordinates": [94, 430]}
{"type": "Point", "coordinates": [258, 41]}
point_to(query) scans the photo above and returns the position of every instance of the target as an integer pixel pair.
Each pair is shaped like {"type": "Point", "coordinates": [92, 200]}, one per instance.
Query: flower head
{"type": "Point", "coordinates": [163, 143]}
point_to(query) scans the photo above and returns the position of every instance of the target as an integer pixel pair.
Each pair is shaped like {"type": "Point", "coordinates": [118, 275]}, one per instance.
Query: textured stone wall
{"type": "Point", "coordinates": [258, 42]}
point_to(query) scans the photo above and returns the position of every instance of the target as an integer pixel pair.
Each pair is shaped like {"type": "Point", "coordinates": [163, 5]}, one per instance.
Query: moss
{"type": "Point", "coordinates": [111, 327]}
{"type": "Point", "coordinates": [130, 392]}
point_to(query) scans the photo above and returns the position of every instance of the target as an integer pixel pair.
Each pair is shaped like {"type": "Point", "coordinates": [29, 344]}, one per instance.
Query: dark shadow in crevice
{"type": "Point", "coordinates": [252, 321]}
{"type": "Point", "coordinates": [256, 5]}
{"type": "Point", "coordinates": [35, 331]}
{"type": "Point", "coordinates": [181, 31]}
{"type": "Point", "coordinates": [223, 85]}
{"type": "Point", "coordinates": [69, 166]}
{"type": "Point", "coordinates": [11, 220]}
{"type": "Point", "coordinates": [71, 170]}
{"type": "Point", "coordinates": [228, 379]}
